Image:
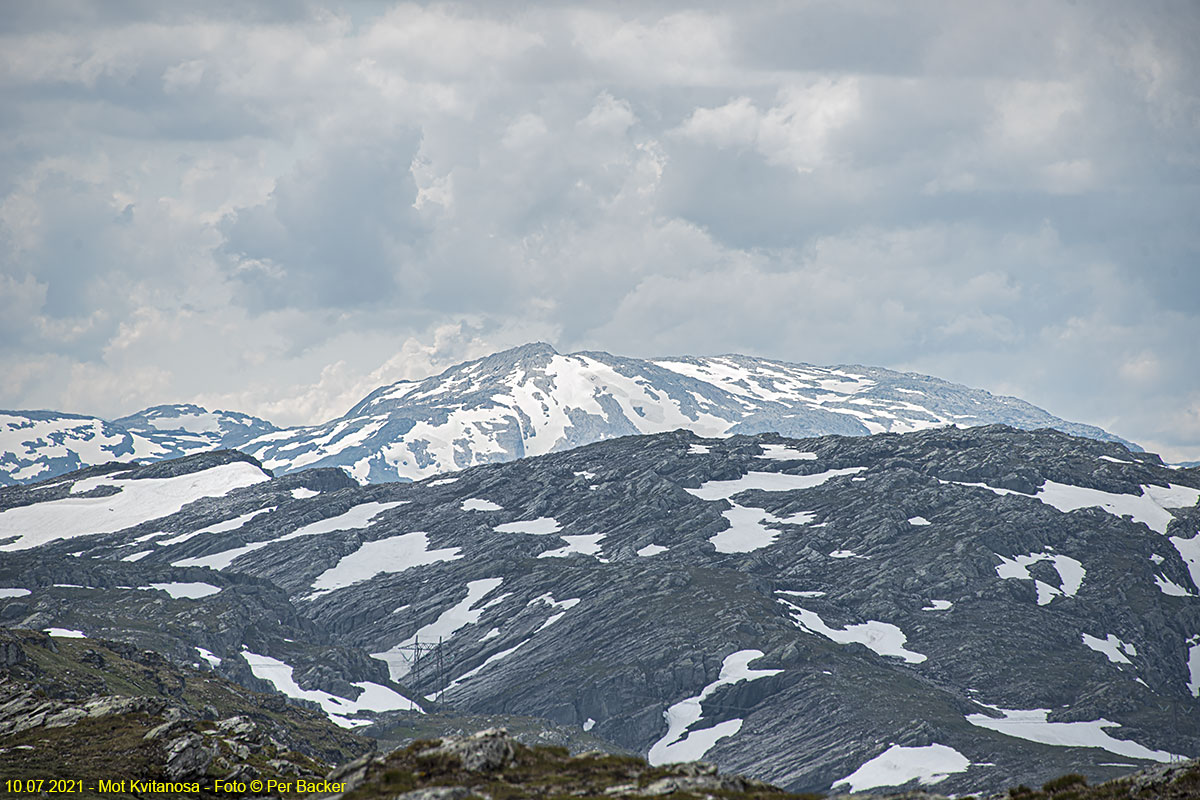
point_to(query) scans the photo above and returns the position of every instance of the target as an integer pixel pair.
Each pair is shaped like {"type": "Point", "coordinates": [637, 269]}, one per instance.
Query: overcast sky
{"type": "Point", "coordinates": [274, 209]}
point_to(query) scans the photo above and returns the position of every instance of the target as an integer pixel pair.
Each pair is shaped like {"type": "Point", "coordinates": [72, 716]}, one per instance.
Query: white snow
{"type": "Point", "coordinates": [476, 504]}
{"type": "Point", "coordinates": [780, 452]}
{"type": "Point", "coordinates": [137, 501]}
{"type": "Point", "coordinates": [541, 526]}
{"type": "Point", "coordinates": [301, 493]}
{"type": "Point", "coordinates": [442, 482]}
{"type": "Point", "coordinates": [1193, 684]}
{"type": "Point", "coordinates": [223, 559]}
{"type": "Point", "coordinates": [898, 765]}
{"type": "Point", "coordinates": [746, 531]}
{"type": "Point", "coordinates": [360, 516]}
{"type": "Point", "coordinates": [1115, 460]}
{"type": "Point", "coordinates": [845, 554]}
{"type": "Point", "coordinates": [1156, 558]}
{"type": "Point", "coordinates": [938, 605]}
{"type": "Point", "coordinates": [1032, 726]}
{"type": "Point", "coordinates": [391, 554]}
{"type": "Point", "coordinates": [679, 744]}
{"type": "Point", "coordinates": [1150, 507]}
{"type": "Point", "coordinates": [918, 521]}
{"type": "Point", "coordinates": [13, 592]}
{"type": "Point", "coordinates": [587, 544]}
{"type": "Point", "coordinates": [882, 637]}
{"type": "Point", "coordinates": [190, 591]}
{"type": "Point", "coordinates": [652, 550]}
{"type": "Point", "coordinates": [207, 655]}
{"type": "Point", "coordinates": [1110, 646]}
{"type": "Point", "coordinates": [589, 723]}
{"type": "Point", "coordinates": [138, 556]}
{"type": "Point", "coordinates": [65, 633]}
{"type": "Point", "coordinates": [1189, 551]}
{"type": "Point", "coordinates": [1070, 573]}
{"type": "Point", "coordinates": [1170, 587]}
{"type": "Point", "coordinates": [220, 527]}
{"type": "Point", "coordinates": [698, 450]}
{"type": "Point", "coordinates": [590, 476]}
{"type": "Point", "coordinates": [449, 622]}
{"type": "Point", "coordinates": [767, 482]}
{"type": "Point", "coordinates": [373, 698]}
{"type": "Point", "coordinates": [800, 594]}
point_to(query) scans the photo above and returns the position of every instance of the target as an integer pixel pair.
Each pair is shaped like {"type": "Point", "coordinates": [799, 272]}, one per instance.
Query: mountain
{"type": "Point", "coordinates": [528, 401]}
{"type": "Point", "coordinates": [531, 401]}
{"type": "Point", "coordinates": [964, 608]}
{"type": "Point", "coordinates": [35, 445]}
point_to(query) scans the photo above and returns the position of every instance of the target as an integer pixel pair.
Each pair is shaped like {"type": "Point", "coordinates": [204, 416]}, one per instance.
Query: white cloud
{"type": "Point", "coordinates": [275, 209]}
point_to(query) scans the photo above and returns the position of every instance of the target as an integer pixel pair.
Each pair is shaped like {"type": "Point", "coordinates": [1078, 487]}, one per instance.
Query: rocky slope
{"type": "Point", "coordinates": [966, 609]}
{"type": "Point", "coordinates": [36, 445]}
{"type": "Point", "coordinates": [527, 401]}
{"type": "Point", "coordinates": [90, 709]}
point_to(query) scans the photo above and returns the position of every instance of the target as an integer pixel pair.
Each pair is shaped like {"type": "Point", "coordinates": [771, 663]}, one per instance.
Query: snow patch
{"type": "Point", "coordinates": [882, 637]}
{"type": "Point", "coordinates": [542, 526]}
{"type": "Point", "coordinates": [587, 544]}
{"type": "Point", "coordinates": [1070, 573]}
{"type": "Point", "coordinates": [392, 554]}
{"type": "Point", "coordinates": [136, 501]}
{"type": "Point", "coordinates": [918, 521]}
{"type": "Point", "coordinates": [780, 452]}
{"type": "Point", "coordinates": [448, 623]}
{"type": "Point", "coordinates": [898, 765]}
{"type": "Point", "coordinates": [477, 504]}
{"type": "Point", "coordinates": [938, 605]}
{"type": "Point", "coordinates": [767, 482]}
{"type": "Point", "coordinates": [64, 633]}
{"type": "Point", "coordinates": [1032, 726]}
{"type": "Point", "coordinates": [14, 592]}
{"type": "Point", "coordinates": [301, 493]}
{"type": "Point", "coordinates": [652, 550]}
{"type": "Point", "coordinates": [679, 744]}
{"type": "Point", "coordinates": [373, 698]}
{"type": "Point", "coordinates": [214, 661]}
{"type": "Point", "coordinates": [189, 591]}
{"type": "Point", "coordinates": [1111, 647]}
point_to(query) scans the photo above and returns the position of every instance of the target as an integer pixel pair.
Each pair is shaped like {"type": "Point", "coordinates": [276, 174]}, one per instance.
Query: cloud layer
{"type": "Point", "coordinates": [275, 209]}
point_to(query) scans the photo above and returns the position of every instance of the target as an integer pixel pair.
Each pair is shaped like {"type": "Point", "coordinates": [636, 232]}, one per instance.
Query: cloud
{"type": "Point", "coordinates": [274, 207]}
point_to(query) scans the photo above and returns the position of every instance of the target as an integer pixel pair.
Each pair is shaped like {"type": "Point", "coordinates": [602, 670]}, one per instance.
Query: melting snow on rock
{"type": "Point", "coordinates": [680, 744]}
{"type": "Point", "coordinates": [898, 765]}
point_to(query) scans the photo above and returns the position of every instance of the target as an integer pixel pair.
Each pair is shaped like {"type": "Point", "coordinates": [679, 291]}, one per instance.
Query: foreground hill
{"type": "Point", "coordinates": [526, 401]}
{"type": "Point", "coordinates": [966, 609]}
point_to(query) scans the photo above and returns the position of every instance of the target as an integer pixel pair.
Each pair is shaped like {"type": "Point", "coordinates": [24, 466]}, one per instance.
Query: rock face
{"type": "Point", "coordinates": [961, 609]}
{"type": "Point", "coordinates": [526, 401]}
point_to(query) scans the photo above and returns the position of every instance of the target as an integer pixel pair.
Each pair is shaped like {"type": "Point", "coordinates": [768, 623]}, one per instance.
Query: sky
{"type": "Point", "coordinates": [274, 208]}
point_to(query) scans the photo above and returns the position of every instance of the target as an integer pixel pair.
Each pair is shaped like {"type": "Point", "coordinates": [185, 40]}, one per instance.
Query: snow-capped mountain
{"type": "Point", "coordinates": [531, 400]}
{"type": "Point", "coordinates": [969, 608]}
{"type": "Point", "coordinates": [35, 445]}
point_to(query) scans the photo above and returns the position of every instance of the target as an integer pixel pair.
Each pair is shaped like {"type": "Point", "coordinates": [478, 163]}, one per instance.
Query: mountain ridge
{"type": "Point", "coordinates": [528, 400]}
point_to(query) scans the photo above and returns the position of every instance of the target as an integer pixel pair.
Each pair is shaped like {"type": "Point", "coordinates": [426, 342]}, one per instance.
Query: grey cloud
{"type": "Point", "coordinates": [273, 200]}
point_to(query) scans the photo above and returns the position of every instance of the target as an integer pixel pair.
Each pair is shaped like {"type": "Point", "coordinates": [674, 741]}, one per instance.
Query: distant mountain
{"type": "Point", "coordinates": [967, 608]}
{"type": "Point", "coordinates": [531, 400]}
{"type": "Point", "coordinates": [35, 445]}
{"type": "Point", "coordinates": [524, 402]}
